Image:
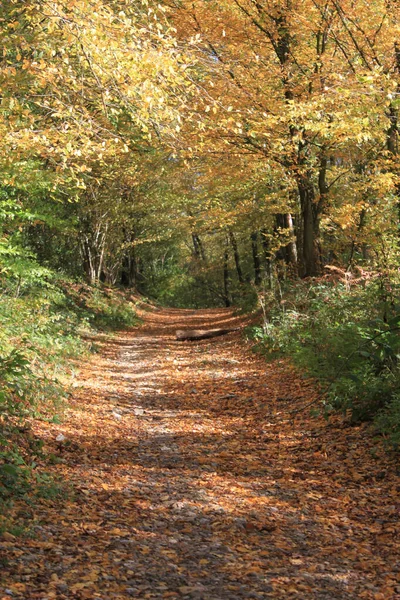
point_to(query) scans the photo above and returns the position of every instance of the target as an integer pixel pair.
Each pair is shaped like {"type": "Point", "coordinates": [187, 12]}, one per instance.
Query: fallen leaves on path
{"type": "Point", "coordinates": [191, 479]}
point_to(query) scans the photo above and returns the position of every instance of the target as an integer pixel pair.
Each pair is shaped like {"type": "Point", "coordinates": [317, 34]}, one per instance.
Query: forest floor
{"type": "Point", "coordinates": [188, 475]}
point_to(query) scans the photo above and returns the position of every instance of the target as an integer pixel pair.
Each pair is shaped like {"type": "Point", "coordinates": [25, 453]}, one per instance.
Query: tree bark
{"type": "Point", "coordinates": [309, 211]}
{"type": "Point", "coordinates": [268, 258]}
{"type": "Point", "coordinates": [236, 256]}
{"type": "Point", "coordinates": [287, 253]}
{"type": "Point", "coordinates": [198, 247]}
{"type": "Point", "coordinates": [392, 134]}
{"type": "Point", "coordinates": [292, 247]}
{"type": "Point", "coordinates": [256, 258]}
{"type": "Point", "coordinates": [227, 299]}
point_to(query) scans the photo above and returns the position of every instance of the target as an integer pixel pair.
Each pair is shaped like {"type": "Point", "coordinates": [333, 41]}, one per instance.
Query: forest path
{"type": "Point", "coordinates": [192, 481]}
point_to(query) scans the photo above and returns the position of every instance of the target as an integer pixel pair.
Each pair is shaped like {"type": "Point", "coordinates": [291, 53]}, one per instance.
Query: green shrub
{"type": "Point", "coordinates": [348, 339]}
{"type": "Point", "coordinates": [387, 421]}
{"type": "Point", "coordinates": [100, 308]}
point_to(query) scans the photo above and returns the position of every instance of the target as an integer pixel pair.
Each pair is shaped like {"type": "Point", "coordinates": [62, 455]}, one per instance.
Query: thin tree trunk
{"type": "Point", "coordinates": [287, 253]}
{"type": "Point", "coordinates": [226, 279]}
{"type": "Point", "coordinates": [132, 268]}
{"type": "Point", "coordinates": [392, 135]}
{"type": "Point", "coordinates": [100, 255]}
{"type": "Point", "coordinates": [256, 258]}
{"type": "Point", "coordinates": [198, 247]}
{"type": "Point", "coordinates": [202, 251]}
{"type": "Point", "coordinates": [88, 260]}
{"type": "Point", "coordinates": [268, 258]}
{"type": "Point", "coordinates": [236, 256]}
{"type": "Point", "coordinates": [292, 247]}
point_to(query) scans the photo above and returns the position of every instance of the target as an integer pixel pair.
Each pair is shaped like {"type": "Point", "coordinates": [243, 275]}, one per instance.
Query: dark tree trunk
{"type": "Point", "coordinates": [256, 258]}
{"type": "Point", "coordinates": [268, 258]}
{"type": "Point", "coordinates": [392, 138]}
{"type": "Point", "coordinates": [311, 262]}
{"type": "Point", "coordinates": [129, 269]}
{"type": "Point", "coordinates": [287, 253]}
{"type": "Point", "coordinates": [236, 256]}
{"type": "Point", "coordinates": [323, 189]}
{"type": "Point", "coordinates": [198, 247]}
{"type": "Point", "coordinates": [392, 141]}
{"type": "Point", "coordinates": [129, 273]}
{"type": "Point", "coordinates": [202, 251]}
{"type": "Point", "coordinates": [227, 299]}
{"type": "Point", "coordinates": [392, 135]}
{"type": "Point", "coordinates": [280, 225]}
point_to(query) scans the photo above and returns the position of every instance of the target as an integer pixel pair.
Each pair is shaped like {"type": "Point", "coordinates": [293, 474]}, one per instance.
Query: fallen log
{"type": "Point", "coordinates": [192, 335]}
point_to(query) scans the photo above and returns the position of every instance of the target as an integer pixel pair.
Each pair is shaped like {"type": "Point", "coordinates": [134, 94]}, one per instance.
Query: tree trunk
{"type": "Point", "coordinates": [129, 271]}
{"type": "Point", "coordinates": [93, 246]}
{"type": "Point", "coordinates": [200, 334]}
{"type": "Point", "coordinates": [87, 260]}
{"type": "Point", "coordinates": [198, 247]}
{"type": "Point", "coordinates": [291, 247]}
{"type": "Point", "coordinates": [129, 274]}
{"type": "Point", "coordinates": [392, 137]}
{"type": "Point", "coordinates": [226, 279]}
{"type": "Point", "coordinates": [287, 253]}
{"type": "Point", "coordinates": [256, 258]}
{"type": "Point", "coordinates": [392, 134]}
{"type": "Point", "coordinates": [311, 254]}
{"type": "Point", "coordinates": [268, 259]}
{"type": "Point", "coordinates": [236, 256]}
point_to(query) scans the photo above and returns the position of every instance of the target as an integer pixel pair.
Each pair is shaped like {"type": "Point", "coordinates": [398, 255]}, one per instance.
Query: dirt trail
{"type": "Point", "coordinates": [192, 481]}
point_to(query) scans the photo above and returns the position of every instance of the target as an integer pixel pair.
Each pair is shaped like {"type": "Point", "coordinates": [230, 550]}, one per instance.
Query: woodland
{"type": "Point", "coordinates": [230, 157]}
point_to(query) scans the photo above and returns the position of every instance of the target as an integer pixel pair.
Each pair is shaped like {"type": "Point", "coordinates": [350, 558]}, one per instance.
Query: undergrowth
{"type": "Point", "coordinates": [45, 325]}
{"type": "Point", "coordinates": [349, 339]}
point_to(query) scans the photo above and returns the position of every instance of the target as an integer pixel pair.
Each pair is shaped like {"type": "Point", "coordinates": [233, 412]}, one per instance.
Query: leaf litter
{"type": "Point", "coordinates": [191, 478]}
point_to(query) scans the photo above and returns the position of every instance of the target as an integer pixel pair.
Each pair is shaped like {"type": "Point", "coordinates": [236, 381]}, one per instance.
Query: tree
{"type": "Point", "coordinates": [287, 84]}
